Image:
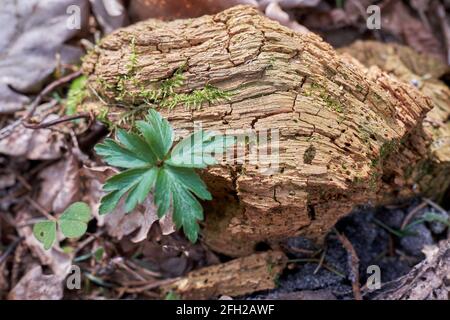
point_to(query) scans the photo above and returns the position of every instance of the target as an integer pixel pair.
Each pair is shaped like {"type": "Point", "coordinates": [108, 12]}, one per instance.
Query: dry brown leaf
{"type": "Point", "coordinates": [7, 179]}
{"type": "Point", "coordinates": [58, 261]}
{"type": "Point", "coordinates": [275, 12]}
{"type": "Point", "coordinates": [40, 144]}
{"type": "Point", "coordinates": [60, 184]}
{"type": "Point", "coordinates": [110, 14]}
{"type": "Point", "coordinates": [32, 33]}
{"type": "Point", "coordinates": [117, 223]}
{"type": "Point", "coordinates": [397, 19]}
{"type": "Point", "coordinates": [37, 286]}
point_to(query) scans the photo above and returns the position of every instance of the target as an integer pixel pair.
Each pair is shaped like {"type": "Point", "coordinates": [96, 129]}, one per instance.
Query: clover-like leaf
{"type": "Point", "coordinates": [45, 232]}
{"type": "Point", "coordinates": [73, 222]}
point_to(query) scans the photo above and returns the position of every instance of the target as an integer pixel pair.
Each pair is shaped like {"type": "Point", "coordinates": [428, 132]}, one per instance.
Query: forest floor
{"type": "Point", "coordinates": [42, 170]}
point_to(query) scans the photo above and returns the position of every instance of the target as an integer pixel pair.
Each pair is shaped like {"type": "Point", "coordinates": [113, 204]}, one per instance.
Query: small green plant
{"type": "Point", "coordinates": [172, 296]}
{"type": "Point", "coordinates": [151, 163]}
{"type": "Point", "coordinates": [429, 217]}
{"type": "Point", "coordinates": [75, 95]}
{"type": "Point", "coordinates": [72, 223]}
{"type": "Point", "coordinates": [133, 56]}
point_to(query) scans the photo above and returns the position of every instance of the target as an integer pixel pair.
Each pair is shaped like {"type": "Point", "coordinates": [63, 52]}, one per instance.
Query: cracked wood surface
{"type": "Point", "coordinates": [424, 159]}
{"type": "Point", "coordinates": [337, 120]}
{"type": "Point", "coordinates": [237, 277]}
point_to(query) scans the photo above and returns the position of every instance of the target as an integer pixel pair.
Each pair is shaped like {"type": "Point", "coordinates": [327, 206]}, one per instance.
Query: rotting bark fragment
{"type": "Point", "coordinates": [275, 79]}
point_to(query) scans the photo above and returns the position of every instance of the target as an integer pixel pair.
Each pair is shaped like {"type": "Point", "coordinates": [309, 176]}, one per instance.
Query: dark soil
{"type": "Point", "coordinates": [375, 234]}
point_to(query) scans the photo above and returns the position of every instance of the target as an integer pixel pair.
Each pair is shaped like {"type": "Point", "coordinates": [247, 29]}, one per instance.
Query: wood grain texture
{"type": "Point", "coordinates": [338, 121]}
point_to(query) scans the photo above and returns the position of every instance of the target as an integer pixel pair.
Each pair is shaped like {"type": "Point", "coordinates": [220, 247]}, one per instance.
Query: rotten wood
{"type": "Point", "coordinates": [422, 162]}
{"type": "Point", "coordinates": [429, 280]}
{"type": "Point", "coordinates": [342, 126]}
{"type": "Point", "coordinates": [237, 277]}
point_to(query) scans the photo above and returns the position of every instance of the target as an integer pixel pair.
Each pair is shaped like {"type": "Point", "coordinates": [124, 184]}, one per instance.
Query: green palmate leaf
{"type": "Point", "coordinates": [175, 188]}
{"type": "Point", "coordinates": [199, 149]}
{"type": "Point", "coordinates": [73, 222]}
{"type": "Point", "coordinates": [190, 180]}
{"type": "Point", "coordinates": [157, 133]}
{"type": "Point", "coordinates": [117, 156]}
{"type": "Point", "coordinates": [45, 232]}
{"type": "Point", "coordinates": [137, 145]}
{"type": "Point", "coordinates": [137, 182]}
{"type": "Point", "coordinates": [110, 201]}
{"type": "Point", "coordinates": [150, 165]}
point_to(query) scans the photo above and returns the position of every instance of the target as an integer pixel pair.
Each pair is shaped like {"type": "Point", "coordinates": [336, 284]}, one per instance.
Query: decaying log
{"type": "Point", "coordinates": [429, 145]}
{"type": "Point", "coordinates": [237, 277]}
{"type": "Point", "coordinates": [429, 280]}
{"type": "Point", "coordinates": [340, 124]}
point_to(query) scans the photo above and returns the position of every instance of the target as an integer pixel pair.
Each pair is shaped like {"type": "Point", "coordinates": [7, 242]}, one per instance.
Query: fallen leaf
{"type": "Point", "coordinates": [169, 10]}
{"type": "Point", "coordinates": [117, 223]}
{"type": "Point", "coordinates": [275, 12]}
{"type": "Point", "coordinates": [7, 179]}
{"type": "Point", "coordinates": [37, 286]}
{"type": "Point", "coordinates": [26, 61]}
{"type": "Point", "coordinates": [60, 185]}
{"type": "Point", "coordinates": [33, 144]}
{"type": "Point", "coordinates": [110, 14]}
{"type": "Point", "coordinates": [397, 20]}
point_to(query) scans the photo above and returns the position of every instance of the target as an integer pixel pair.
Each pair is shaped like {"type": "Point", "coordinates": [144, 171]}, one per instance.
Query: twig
{"type": "Point", "coordinates": [152, 285]}
{"type": "Point", "coordinates": [445, 27]}
{"type": "Point", "coordinates": [49, 88]}
{"type": "Point", "coordinates": [84, 115]}
{"type": "Point", "coordinates": [412, 213]}
{"type": "Point", "coordinates": [354, 264]}
{"type": "Point", "coordinates": [39, 208]}
{"type": "Point", "coordinates": [10, 249]}
{"type": "Point", "coordinates": [435, 205]}
{"type": "Point", "coordinates": [313, 260]}
{"type": "Point", "coordinates": [9, 129]}
{"type": "Point", "coordinates": [88, 240]}
{"type": "Point", "coordinates": [322, 259]}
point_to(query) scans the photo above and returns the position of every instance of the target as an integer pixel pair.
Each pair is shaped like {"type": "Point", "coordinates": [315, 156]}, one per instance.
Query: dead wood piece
{"type": "Point", "coordinates": [235, 278]}
{"type": "Point", "coordinates": [337, 122]}
{"type": "Point", "coordinates": [422, 161]}
{"type": "Point", "coordinates": [429, 280]}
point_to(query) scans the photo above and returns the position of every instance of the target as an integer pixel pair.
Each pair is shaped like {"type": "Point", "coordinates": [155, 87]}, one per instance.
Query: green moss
{"type": "Point", "coordinates": [373, 181]}
{"type": "Point", "coordinates": [76, 94]}
{"type": "Point", "coordinates": [132, 63]}
{"type": "Point", "coordinates": [387, 148]}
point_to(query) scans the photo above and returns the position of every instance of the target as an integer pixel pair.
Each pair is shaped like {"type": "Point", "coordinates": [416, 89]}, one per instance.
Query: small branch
{"type": "Point", "coordinates": [412, 213]}
{"type": "Point", "coordinates": [48, 124]}
{"type": "Point", "coordinates": [445, 27]}
{"type": "Point", "coordinates": [52, 86]}
{"type": "Point", "coordinates": [39, 208]}
{"type": "Point", "coordinates": [354, 264]}
{"type": "Point", "coordinates": [10, 249]}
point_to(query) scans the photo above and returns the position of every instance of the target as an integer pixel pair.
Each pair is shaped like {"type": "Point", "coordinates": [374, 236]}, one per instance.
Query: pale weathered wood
{"type": "Point", "coordinates": [429, 280]}
{"type": "Point", "coordinates": [338, 121]}
{"type": "Point", "coordinates": [422, 163]}
{"type": "Point", "coordinates": [238, 277]}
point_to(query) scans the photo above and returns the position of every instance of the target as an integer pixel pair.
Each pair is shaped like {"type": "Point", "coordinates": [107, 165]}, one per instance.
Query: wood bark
{"type": "Point", "coordinates": [237, 277]}
{"type": "Point", "coordinates": [429, 280]}
{"type": "Point", "coordinates": [423, 161]}
{"type": "Point", "coordinates": [341, 125]}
